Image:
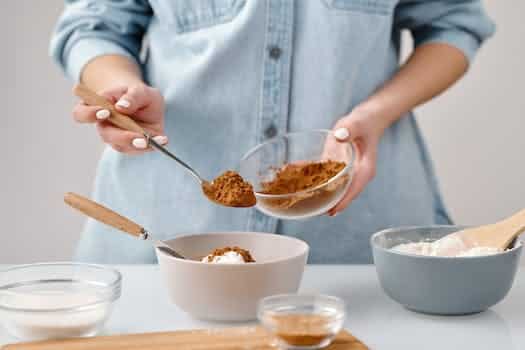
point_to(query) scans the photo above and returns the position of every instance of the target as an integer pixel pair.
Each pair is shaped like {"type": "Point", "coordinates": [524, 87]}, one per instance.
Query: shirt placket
{"type": "Point", "coordinates": [273, 118]}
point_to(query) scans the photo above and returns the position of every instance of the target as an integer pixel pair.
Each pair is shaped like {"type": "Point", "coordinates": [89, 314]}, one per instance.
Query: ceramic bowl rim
{"type": "Point", "coordinates": [517, 246]}
{"type": "Point", "coordinates": [305, 249]}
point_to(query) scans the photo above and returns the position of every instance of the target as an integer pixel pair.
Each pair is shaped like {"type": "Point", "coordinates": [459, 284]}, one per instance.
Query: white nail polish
{"type": "Point", "coordinates": [160, 139]}
{"type": "Point", "coordinates": [123, 103]}
{"type": "Point", "coordinates": [103, 114]}
{"type": "Point", "coordinates": [139, 143]}
{"type": "Point", "coordinates": [341, 134]}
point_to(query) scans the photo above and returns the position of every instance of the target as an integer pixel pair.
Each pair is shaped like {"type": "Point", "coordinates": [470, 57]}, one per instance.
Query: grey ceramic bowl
{"type": "Point", "coordinates": [440, 285]}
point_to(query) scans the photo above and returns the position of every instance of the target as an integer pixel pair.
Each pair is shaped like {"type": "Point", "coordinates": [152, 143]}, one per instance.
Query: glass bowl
{"type": "Point", "coordinates": [261, 164]}
{"type": "Point", "coordinates": [57, 300]}
{"type": "Point", "coordinates": [302, 321]}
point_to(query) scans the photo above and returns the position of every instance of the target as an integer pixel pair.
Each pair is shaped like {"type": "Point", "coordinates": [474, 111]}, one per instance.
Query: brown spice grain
{"type": "Point", "coordinates": [299, 177]}
{"type": "Point", "coordinates": [302, 329]}
{"type": "Point", "coordinates": [231, 190]}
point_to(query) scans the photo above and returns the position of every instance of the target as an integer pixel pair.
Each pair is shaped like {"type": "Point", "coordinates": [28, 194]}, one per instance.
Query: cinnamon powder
{"type": "Point", "coordinates": [302, 329]}
{"type": "Point", "coordinates": [231, 190]}
{"type": "Point", "coordinates": [298, 177]}
{"type": "Point", "coordinates": [293, 178]}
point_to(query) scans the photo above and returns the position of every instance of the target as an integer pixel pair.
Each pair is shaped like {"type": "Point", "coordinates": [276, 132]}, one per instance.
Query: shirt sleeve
{"type": "Point", "coordinates": [91, 28]}
{"type": "Point", "coordinates": [460, 23]}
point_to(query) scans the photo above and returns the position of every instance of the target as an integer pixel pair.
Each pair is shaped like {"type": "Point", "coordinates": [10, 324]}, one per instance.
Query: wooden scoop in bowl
{"type": "Point", "coordinates": [499, 235]}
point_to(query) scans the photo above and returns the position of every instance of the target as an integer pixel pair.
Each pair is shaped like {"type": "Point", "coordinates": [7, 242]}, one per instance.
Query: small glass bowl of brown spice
{"type": "Point", "coordinates": [302, 321]}
{"type": "Point", "coordinates": [299, 174]}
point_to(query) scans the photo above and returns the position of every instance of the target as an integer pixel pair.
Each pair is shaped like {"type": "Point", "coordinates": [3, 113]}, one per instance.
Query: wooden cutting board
{"type": "Point", "coordinates": [241, 338]}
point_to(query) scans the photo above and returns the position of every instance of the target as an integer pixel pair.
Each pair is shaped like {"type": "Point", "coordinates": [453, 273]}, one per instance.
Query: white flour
{"type": "Point", "coordinates": [52, 324]}
{"type": "Point", "coordinates": [449, 246]}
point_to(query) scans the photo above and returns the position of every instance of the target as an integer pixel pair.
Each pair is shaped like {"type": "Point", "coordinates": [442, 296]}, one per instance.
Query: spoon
{"type": "Point", "coordinates": [498, 235]}
{"type": "Point", "coordinates": [123, 121]}
{"type": "Point", "coordinates": [109, 217]}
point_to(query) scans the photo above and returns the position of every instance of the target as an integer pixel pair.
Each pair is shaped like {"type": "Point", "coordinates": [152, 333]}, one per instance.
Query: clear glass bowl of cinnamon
{"type": "Point", "coordinates": [302, 321]}
{"type": "Point", "coordinates": [299, 174]}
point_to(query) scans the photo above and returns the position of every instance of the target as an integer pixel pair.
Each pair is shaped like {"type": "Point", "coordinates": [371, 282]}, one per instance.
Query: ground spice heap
{"type": "Point", "coordinates": [293, 178]}
{"type": "Point", "coordinates": [231, 190]}
{"type": "Point", "coordinates": [302, 329]}
{"type": "Point", "coordinates": [298, 177]}
{"type": "Point", "coordinates": [246, 256]}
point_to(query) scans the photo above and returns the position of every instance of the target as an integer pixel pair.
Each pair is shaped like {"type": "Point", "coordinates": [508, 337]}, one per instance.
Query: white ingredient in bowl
{"type": "Point", "coordinates": [227, 258]}
{"type": "Point", "coordinates": [42, 324]}
{"type": "Point", "coordinates": [450, 246]}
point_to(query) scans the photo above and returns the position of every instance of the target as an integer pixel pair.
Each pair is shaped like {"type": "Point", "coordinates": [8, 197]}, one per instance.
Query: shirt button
{"type": "Point", "coordinates": [270, 131]}
{"type": "Point", "coordinates": [275, 52]}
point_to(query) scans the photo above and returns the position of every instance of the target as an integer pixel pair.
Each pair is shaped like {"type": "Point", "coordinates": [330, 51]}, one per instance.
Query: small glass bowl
{"type": "Point", "coordinates": [57, 300]}
{"type": "Point", "coordinates": [262, 162]}
{"type": "Point", "coordinates": [302, 321]}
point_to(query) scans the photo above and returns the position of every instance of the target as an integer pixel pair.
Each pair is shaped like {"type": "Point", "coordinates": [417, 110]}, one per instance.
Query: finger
{"type": "Point", "coordinates": [342, 134]}
{"type": "Point", "coordinates": [114, 93]}
{"type": "Point", "coordinates": [126, 141]}
{"type": "Point", "coordinates": [134, 99]}
{"type": "Point", "coordinates": [83, 113]}
{"type": "Point", "coordinates": [348, 128]}
{"type": "Point", "coordinates": [364, 173]}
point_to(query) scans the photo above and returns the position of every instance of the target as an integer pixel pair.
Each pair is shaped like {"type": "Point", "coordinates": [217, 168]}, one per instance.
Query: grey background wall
{"type": "Point", "coordinates": [474, 131]}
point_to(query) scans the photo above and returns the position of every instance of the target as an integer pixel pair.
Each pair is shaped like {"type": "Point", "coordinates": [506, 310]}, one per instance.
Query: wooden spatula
{"type": "Point", "coordinates": [499, 235]}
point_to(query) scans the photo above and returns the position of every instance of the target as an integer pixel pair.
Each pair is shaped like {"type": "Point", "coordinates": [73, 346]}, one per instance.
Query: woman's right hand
{"type": "Point", "coordinates": [142, 103]}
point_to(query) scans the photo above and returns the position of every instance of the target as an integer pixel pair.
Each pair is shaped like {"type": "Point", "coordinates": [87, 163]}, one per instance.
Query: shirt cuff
{"type": "Point", "coordinates": [465, 42]}
{"type": "Point", "coordinates": [86, 49]}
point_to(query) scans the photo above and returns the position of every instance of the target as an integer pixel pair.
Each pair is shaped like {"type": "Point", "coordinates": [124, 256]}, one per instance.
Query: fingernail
{"type": "Point", "coordinates": [123, 103]}
{"type": "Point", "coordinates": [139, 143]}
{"type": "Point", "coordinates": [341, 134]}
{"type": "Point", "coordinates": [161, 139]}
{"type": "Point", "coordinates": [103, 114]}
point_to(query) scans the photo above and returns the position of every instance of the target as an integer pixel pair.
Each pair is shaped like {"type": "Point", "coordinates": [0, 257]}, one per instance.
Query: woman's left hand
{"type": "Point", "coordinates": [364, 128]}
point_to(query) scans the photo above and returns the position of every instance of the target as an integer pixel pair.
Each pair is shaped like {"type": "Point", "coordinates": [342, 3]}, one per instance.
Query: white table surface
{"type": "Point", "coordinates": [372, 317]}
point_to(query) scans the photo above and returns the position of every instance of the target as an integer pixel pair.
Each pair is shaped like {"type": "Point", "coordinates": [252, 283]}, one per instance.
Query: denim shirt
{"type": "Point", "coordinates": [237, 72]}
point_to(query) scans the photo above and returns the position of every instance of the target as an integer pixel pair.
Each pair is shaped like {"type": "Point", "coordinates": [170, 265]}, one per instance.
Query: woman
{"type": "Point", "coordinates": [216, 77]}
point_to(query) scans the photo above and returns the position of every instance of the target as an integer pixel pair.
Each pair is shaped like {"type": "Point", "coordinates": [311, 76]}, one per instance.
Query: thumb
{"type": "Point", "coordinates": [347, 129]}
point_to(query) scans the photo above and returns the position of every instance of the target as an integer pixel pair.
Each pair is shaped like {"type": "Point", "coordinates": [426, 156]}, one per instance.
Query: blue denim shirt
{"type": "Point", "coordinates": [236, 72]}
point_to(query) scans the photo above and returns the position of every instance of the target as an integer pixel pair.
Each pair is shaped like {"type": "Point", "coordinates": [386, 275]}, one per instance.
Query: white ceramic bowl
{"type": "Point", "coordinates": [231, 292]}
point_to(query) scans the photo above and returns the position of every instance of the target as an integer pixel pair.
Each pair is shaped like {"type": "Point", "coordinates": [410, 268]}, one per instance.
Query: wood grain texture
{"type": "Point", "coordinates": [240, 338]}
{"type": "Point", "coordinates": [498, 235]}
{"type": "Point", "coordinates": [102, 214]}
{"type": "Point", "coordinates": [118, 119]}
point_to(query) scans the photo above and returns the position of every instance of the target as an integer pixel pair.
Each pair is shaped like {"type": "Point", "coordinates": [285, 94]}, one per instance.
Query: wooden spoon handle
{"type": "Point", "coordinates": [102, 214]}
{"type": "Point", "coordinates": [118, 119]}
{"type": "Point", "coordinates": [515, 224]}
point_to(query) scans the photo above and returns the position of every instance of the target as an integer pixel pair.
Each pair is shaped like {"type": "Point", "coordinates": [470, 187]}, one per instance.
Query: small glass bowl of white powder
{"type": "Point", "coordinates": [57, 300]}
